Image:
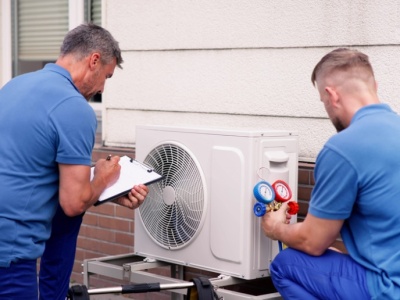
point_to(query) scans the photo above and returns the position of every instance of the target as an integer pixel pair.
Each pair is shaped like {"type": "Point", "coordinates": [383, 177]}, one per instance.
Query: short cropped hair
{"type": "Point", "coordinates": [88, 38]}
{"type": "Point", "coordinates": [341, 59]}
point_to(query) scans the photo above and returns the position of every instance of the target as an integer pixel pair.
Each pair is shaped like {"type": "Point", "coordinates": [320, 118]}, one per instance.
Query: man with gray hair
{"type": "Point", "coordinates": [48, 134]}
{"type": "Point", "coordinates": [356, 195]}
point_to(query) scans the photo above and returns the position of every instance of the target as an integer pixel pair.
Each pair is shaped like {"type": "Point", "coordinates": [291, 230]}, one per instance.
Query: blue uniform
{"type": "Point", "coordinates": [44, 121]}
{"type": "Point", "coordinates": [357, 179]}
{"type": "Point", "coordinates": [58, 258]}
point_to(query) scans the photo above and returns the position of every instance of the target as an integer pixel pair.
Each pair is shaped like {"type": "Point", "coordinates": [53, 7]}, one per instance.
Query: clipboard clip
{"type": "Point", "coordinates": [148, 168]}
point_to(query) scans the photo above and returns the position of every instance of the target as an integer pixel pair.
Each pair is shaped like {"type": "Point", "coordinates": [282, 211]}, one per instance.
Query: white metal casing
{"type": "Point", "coordinates": [230, 240]}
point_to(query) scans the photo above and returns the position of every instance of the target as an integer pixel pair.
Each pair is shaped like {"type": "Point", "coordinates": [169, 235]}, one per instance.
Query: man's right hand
{"type": "Point", "coordinates": [77, 193]}
{"type": "Point", "coordinates": [108, 170]}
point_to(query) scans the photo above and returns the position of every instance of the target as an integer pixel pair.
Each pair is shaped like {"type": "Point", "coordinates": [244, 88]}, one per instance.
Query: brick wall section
{"type": "Point", "coordinates": [108, 229]}
{"type": "Point", "coordinates": [305, 185]}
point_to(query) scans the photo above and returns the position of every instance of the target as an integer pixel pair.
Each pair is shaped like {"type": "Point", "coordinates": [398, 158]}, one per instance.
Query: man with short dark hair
{"type": "Point", "coordinates": [356, 194]}
{"type": "Point", "coordinates": [48, 133]}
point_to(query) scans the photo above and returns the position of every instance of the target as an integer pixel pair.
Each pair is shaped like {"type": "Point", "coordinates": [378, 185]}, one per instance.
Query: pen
{"type": "Point", "coordinates": [108, 157]}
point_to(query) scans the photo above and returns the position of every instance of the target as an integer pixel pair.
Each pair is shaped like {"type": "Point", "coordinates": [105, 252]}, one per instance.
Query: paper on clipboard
{"type": "Point", "coordinates": [132, 173]}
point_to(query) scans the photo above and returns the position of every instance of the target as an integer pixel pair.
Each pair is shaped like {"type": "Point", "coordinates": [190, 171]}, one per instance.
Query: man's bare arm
{"type": "Point", "coordinates": [77, 193]}
{"type": "Point", "coordinates": [312, 236]}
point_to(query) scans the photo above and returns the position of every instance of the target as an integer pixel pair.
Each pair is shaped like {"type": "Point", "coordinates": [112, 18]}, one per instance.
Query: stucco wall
{"type": "Point", "coordinates": [239, 63]}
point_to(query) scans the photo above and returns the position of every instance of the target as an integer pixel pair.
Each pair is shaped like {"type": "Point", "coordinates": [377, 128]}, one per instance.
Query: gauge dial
{"type": "Point", "coordinates": [264, 192]}
{"type": "Point", "coordinates": [282, 191]}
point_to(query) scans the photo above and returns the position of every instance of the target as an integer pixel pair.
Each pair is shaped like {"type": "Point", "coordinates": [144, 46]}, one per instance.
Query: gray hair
{"type": "Point", "coordinates": [88, 38]}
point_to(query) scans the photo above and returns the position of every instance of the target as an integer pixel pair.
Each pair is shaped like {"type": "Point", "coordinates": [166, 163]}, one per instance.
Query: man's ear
{"type": "Point", "coordinates": [94, 60]}
{"type": "Point", "coordinates": [333, 96]}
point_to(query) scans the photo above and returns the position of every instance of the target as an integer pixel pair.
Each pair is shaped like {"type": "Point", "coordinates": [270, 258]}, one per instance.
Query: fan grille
{"type": "Point", "coordinates": [173, 210]}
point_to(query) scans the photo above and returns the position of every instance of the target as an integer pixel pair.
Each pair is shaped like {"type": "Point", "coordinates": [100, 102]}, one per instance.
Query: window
{"type": "Point", "coordinates": [94, 11]}
{"type": "Point", "coordinates": [38, 29]}
{"type": "Point", "coordinates": [94, 16]}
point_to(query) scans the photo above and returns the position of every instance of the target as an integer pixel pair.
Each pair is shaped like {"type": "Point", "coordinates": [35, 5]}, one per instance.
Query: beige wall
{"type": "Point", "coordinates": [239, 63]}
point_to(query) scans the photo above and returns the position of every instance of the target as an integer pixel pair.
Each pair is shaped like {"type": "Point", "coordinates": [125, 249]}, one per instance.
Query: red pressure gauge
{"type": "Point", "coordinates": [282, 191]}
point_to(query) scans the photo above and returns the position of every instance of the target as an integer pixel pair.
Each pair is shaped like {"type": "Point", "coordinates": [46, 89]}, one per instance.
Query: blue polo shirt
{"type": "Point", "coordinates": [358, 180]}
{"type": "Point", "coordinates": [44, 120]}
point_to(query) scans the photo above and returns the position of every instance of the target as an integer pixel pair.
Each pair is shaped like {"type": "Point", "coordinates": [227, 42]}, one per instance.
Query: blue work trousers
{"type": "Point", "coordinates": [19, 281]}
{"type": "Point", "coordinates": [58, 258]}
{"type": "Point", "coordinates": [333, 275]}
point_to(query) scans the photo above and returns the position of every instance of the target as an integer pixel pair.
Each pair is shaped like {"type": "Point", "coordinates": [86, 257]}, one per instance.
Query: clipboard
{"type": "Point", "coordinates": [132, 173]}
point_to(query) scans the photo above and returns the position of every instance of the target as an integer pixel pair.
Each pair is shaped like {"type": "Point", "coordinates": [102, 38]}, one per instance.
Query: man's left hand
{"type": "Point", "coordinates": [134, 198]}
{"type": "Point", "coordinates": [271, 220]}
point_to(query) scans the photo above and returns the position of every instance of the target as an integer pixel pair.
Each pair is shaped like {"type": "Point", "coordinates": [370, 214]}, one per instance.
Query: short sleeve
{"type": "Point", "coordinates": [74, 123]}
{"type": "Point", "coordinates": [335, 187]}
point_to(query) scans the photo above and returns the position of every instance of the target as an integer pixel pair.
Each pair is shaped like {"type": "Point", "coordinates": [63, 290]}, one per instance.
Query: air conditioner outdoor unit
{"type": "Point", "coordinates": [201, 214]}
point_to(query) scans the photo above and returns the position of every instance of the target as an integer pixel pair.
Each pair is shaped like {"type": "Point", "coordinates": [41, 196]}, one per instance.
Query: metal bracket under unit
{"type": "Point", "coordinates": [135, 269]}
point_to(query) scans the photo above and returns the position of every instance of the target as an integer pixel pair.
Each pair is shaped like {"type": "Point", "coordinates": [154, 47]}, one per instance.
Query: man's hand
{"type": "Point", "coordinates": [77, 193]}
{"type": "Point", "coordinates": [108, 170]}
{"type": "Point", "coordinates": [271, 221]}
{"type": "Point", "coordinates": [312, 236]}
{"type": "Point", "coordinates": [134, 198]}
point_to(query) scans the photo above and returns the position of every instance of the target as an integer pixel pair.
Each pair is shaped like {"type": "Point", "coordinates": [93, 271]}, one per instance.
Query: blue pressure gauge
{"type": "Point", "coordinates": [264, 192]}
